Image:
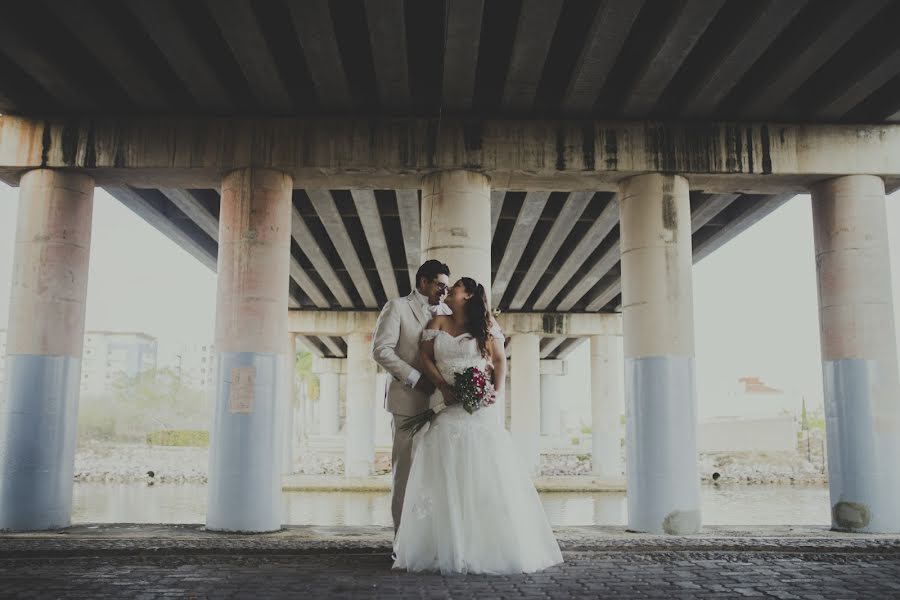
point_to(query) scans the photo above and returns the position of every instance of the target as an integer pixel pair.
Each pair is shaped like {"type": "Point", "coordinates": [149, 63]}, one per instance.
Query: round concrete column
{"type": "Point", "coordinates": [606, 402]}
{"type": "Point", "coordinates": [456, 224]}
{"type": "Point", "coordinates": [359, 434]}
{"type": "Point", "coordinates": [329, 404]}
{"type": "Point", "coordinates": [859, 353]}
{"type": "Point", "coordinates": [288, 411]}
{"type": "Point", "coordinates": [251, 320]}
{"type": "Point", "coordinates": [43, 350]}
{"type": "Point", "coordinates": [663, 485]}
{"type": "Point", "coordinates": [551, 395]}
{"type": "Point", "coordinates": [525, 407]}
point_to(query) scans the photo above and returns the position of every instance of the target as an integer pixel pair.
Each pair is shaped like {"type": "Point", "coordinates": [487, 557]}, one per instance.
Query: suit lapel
{"type": "Point", "coordinates": [416, 308]}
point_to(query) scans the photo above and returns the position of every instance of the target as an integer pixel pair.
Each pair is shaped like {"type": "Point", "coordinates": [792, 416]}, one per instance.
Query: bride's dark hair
{"type": "Point", "coordinates": [478, 316]}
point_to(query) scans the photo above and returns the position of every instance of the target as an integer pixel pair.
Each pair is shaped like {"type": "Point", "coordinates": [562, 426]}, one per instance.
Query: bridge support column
{"type": "Point", "coordinates": [288, 421]}
{"type": "Point", "coordinates": [251, 318]}
{"type": "Point", "coordinates": [525, 408]}
{"type": "Point", "coordinates": [552, 372]}
{"type": "Point", "coordinates": [456, 224]}
{"type": "Point", "coordinates": [43, 352]}
{"type": "Point", "coordinates": [859, 353]}
{"type": "Point", "coordinates": [359, 432]}
{"type": "Point", "coordinates": [328, 371]}
{"type": "Point", "coordinates": [606, 401]}
{"type": "Point", "coordinates": [663, 486]}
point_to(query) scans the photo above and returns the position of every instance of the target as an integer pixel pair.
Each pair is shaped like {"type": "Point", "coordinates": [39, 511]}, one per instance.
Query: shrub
{"type": "Point", "coordinates": [178, 437]}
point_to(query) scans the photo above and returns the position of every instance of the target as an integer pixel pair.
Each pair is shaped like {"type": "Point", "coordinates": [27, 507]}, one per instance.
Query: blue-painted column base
{"type": "Point", "coordinates": [663, 485]}
{"type": "Point", "coordinates": [863, 452]}
{"type": "Point", "coordinates": [246, 444]}
{"type": "Point", "coordinates": [38, 421]}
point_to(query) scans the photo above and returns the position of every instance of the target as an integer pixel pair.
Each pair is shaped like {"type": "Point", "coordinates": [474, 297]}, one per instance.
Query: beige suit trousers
{"type": "Point", "coordinates": [401, 460]}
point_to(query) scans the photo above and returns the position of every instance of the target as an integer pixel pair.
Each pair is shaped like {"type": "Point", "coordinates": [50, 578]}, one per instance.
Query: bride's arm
{"type": "Point", "coordinates": [429, 367]}
{"type": "Point", "coordinates": [498, 360]}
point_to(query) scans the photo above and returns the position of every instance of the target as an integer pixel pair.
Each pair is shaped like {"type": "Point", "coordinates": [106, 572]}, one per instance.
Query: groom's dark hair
{"type": "Point", "coordinates": [431, 269]}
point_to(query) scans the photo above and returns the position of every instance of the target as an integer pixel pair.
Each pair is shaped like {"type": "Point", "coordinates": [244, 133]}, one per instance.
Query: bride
{"type": "Point", "coordinates": [470, 507]}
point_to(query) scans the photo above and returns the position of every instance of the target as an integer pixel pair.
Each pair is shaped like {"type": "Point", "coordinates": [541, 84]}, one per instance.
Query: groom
{"type": "Point", "coordinates": [395, 346]}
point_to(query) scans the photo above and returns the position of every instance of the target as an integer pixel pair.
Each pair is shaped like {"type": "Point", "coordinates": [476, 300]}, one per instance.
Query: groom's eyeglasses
{"type": "Point", "coordinates": [441, 286]}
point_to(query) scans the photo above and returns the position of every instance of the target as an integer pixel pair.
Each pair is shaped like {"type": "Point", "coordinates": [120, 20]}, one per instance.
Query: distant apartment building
{"type": "Point", "coordinates": [106, 355]}
{"type": "Point", "coordinates": [109, 354]}
{"type": "Point", "coordinates": [193, 363]}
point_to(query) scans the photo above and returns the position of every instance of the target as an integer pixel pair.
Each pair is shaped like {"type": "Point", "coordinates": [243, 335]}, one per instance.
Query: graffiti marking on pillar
{"type": "Point", "coordinates": [240, 400]}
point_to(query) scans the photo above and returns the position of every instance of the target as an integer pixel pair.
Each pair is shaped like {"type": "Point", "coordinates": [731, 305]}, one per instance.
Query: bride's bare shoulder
{"type": "Point", "coordinates": [439, 323]}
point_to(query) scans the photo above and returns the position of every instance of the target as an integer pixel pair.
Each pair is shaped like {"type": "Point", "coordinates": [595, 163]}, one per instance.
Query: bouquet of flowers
{"type": "Point", "coordinates": [473, 389]}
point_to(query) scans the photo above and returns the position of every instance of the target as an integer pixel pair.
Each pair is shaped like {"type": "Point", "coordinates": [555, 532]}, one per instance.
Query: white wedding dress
{"type": "Point", "coordinates": [470, 506]}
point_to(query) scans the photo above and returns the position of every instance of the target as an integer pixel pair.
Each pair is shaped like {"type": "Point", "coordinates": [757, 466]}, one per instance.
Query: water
{"type": "Point", "coordinates": [186, 503]}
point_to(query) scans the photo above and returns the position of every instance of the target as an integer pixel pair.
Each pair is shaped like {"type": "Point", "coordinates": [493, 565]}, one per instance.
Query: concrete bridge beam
{"type": "Point", "coordinates": [657, 305]}
{"type": "Point", "coordinates": [44, 346]}
{"type": "Point", "coordinates": [251, 320]}
{"type": "Point", "coordinates": [859, 353]}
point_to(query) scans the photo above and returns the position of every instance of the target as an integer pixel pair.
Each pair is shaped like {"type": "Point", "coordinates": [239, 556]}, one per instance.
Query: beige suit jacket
{"type": "Point", "coordinates": [395, 346]}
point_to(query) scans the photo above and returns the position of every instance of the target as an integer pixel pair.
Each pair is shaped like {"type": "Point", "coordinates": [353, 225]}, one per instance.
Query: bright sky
{"type": "Point", "coordinates": [755, 305]}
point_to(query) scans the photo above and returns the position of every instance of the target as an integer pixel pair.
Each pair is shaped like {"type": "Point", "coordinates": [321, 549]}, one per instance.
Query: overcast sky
{"type": "Point", "coordinates": [755, 305]}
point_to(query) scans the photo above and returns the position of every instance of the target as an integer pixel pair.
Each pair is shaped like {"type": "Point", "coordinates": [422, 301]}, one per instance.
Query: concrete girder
{"type": "Point", "coordinates": [170, 34]}
{"type": "Point", "coordinates": [549, 346]}
{"type": "Point", "coordinates": [572, 209]}
{"type": "Point", "coordinates": [387, 34]}
{"type": "Point", "coordinates": [534, 33]}
{"type": "Point", "coordinates": [396, 153]}
{"type": "Point", "coordinates": [310, 247]}
{"type": "Point", "coordinates": [753, 214]}
{"type": "Point", "coordinates": [367, 208]}
{"type": "Point", "coordinates": [327, 210]}
{"type": "Point", "coordinates": [531, 211]}
{"type": "Point", "coordinates": [314, 26]}
{"type": "Point", "coordinates": [497, 197]}
{"type": "Point", "coordinates": [672, 47]}
{"type": "Point", "coordinates": [205, 253]}
{"type": "Point", "coordinates": [463, 36]}
{"type": "Point", "coordinates": [567, 325]}
{"type": "Point", "coordinates": [767, 22]}
{"type": "Point", "coordinates": [591, 240]}
{"type": "Point", "coordinates": [793, 69]}
{"type": "Point", "coordinates": [87, 22]}
{"type": "Point", "coordinates": [587, 281]}
{"type": "Point", "coordinates": [605, 39]}
{"type": "Point", "coordinates": [242, 32]}
{"type": "Point", "coordinates": [411, 229]}
{"type": "Point", "coordinates": [190, 206]}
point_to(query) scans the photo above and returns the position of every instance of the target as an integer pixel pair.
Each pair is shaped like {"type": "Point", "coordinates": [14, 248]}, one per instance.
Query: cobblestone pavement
{"type": "Point", "coordinates": [189, 564]}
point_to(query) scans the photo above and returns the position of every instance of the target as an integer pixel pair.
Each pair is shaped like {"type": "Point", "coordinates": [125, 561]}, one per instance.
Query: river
{"type": "Point", "coordinates": [186, 503]}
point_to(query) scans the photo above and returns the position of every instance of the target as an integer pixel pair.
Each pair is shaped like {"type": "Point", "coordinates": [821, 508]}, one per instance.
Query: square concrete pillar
{"type": "Point", "coordinates": [525, 406]}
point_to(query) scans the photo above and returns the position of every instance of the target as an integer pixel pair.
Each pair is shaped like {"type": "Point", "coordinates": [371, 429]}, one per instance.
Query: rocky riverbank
{"type": "Point", "coordinates": [109, 462]}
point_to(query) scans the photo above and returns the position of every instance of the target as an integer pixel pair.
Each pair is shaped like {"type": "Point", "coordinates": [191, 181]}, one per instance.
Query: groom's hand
{"type": "Point", "coordinates": [425, 386]}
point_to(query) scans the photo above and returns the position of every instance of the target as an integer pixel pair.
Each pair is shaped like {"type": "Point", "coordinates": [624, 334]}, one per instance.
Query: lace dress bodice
{"type": "Point", "coordinates": [453, 354]}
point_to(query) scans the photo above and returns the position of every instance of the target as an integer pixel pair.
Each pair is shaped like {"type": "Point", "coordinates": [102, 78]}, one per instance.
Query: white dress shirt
{"type": "Point", "coordinates": [430, 311]}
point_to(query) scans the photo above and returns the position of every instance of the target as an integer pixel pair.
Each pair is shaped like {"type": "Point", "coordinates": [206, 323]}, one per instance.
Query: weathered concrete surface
{"type": "Point", "coordinates": [456, 224]}
{"type": "Point", "coordinates": [541, 324]}
{"type": "Point", "coordinates": [251, 324]}
{"type": "Point", "coordinates": [525, 404]}
{"type": "Point", "coordinates": [859, 353]}
{"type": "Point", "coordinates": [607, 399]}
{"type": "Point", "coordinates": [550, 155]}
{"type": "Point", "coordinates": [319, 562]}
{"type": "Point", "coordinates": [39, 407]}
{"type": "Point", "coordinates": [359, 431]}
{"type": "Point", "coordinates": [658, 324]}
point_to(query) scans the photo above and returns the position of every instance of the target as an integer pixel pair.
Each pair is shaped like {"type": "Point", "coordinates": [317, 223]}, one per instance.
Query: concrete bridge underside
{"type": "Point", "coordinates": [576, 157]}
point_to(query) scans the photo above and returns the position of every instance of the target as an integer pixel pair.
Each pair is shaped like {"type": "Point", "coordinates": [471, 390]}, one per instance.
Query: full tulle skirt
{"type": "Point", "coordinates": [470, 506]}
